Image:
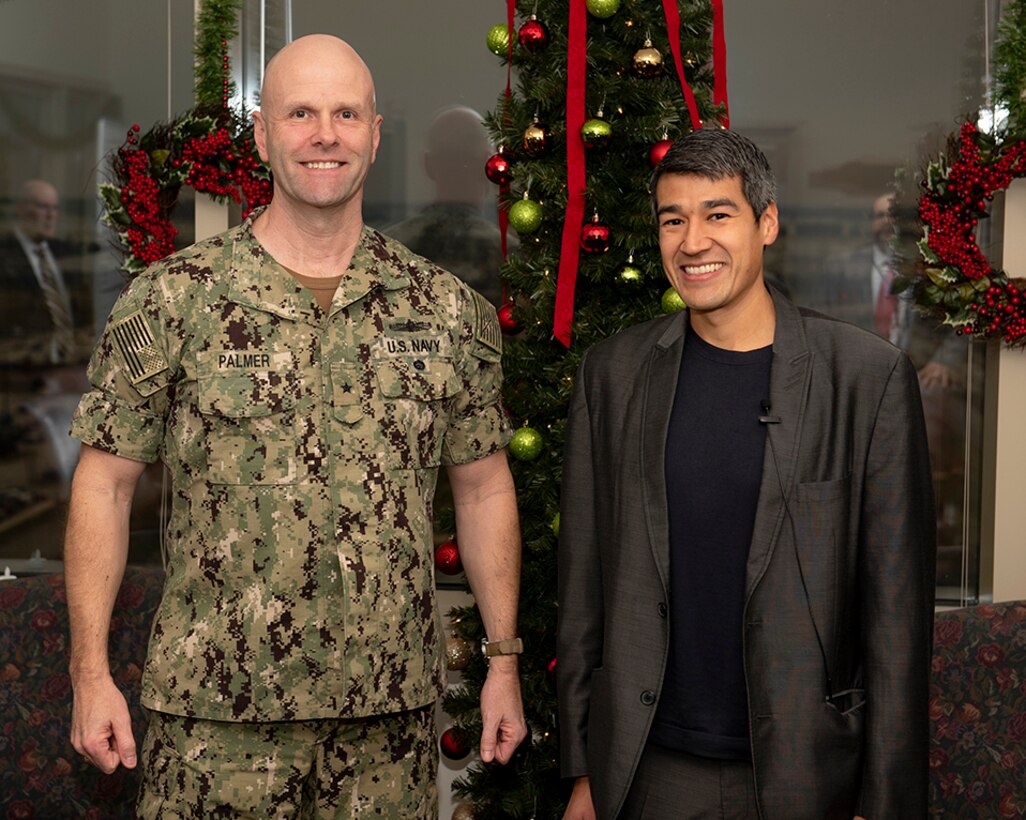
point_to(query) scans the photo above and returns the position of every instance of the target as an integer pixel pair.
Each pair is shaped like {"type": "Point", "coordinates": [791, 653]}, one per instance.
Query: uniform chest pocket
{"type": "Point", "coordinates": [394, 410]}
{"type": "Point", "coordinates": [249, 420]}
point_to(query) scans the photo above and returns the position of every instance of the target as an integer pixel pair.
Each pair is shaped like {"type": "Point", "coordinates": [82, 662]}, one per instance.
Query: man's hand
{"type": "Point", "coordinates": [502, 713]}
{"type": "Point", "coordinates": [935, 374]}
{"type": "Point", "coordinates": [580, 806]}
{"type": "Point", "coordinates": [101, 728]}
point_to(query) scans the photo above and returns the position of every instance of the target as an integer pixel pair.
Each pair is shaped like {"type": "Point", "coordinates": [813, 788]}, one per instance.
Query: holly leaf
{"type": "Point", "coordinates": [931, 295]}
{"type": "Point", "coordinates": [936, 275]}
{"type": "Point", "coordinates": [925, 250]}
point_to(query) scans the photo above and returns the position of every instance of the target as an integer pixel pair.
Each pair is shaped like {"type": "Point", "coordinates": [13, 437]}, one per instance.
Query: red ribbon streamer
{"type": "Point", "coordinates": [511, 6]}
{"type": "Point", "coordinates": [720, 62]}
{"type": "Point", "coordinates": [672, 13]}
{"type": "Point", "coordinates": [576, 70]}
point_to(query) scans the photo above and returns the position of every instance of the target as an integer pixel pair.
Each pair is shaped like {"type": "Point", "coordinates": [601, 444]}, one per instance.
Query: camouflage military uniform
{"type": "Point", "coordinates": [456, 236]}
{"type": "Point", "coordinates": [304, 450]}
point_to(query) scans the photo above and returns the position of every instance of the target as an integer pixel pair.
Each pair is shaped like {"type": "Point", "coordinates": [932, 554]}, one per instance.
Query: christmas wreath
{"type": "Point", "coordinates": [955, 282]}
{"type": "Point", "coordinates": [209, 148]}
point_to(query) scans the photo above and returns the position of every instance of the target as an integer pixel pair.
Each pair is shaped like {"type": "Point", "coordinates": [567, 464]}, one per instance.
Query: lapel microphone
{"type": "Point", "coordinates": [766, 418]}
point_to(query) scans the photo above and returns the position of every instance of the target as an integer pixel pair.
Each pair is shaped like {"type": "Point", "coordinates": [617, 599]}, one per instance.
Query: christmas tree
{"type": "Point", "coordinates": [601, 89]}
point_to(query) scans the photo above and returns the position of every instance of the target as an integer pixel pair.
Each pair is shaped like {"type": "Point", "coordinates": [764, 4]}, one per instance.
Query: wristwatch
{"type": "Point", "coordinates": [510, 646]}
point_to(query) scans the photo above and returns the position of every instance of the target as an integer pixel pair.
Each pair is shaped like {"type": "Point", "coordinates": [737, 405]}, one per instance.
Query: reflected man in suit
{"type": "Point", "coordinates": [858, 284]}
{"type": "Point", "coordinates": [860, 289]}
{"type": "Point", "coordinates": [452, 231]}
{"type": "Point", "coordinates": [40, 301]}
{"type": "Point", "coordinates": [747, 549]}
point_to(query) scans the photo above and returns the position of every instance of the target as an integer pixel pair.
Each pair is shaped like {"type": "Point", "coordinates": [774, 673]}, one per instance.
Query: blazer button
{"type": "Point", "coordinates": [662, 610]}
{"type": "Point", "coordinates": [648, 697]}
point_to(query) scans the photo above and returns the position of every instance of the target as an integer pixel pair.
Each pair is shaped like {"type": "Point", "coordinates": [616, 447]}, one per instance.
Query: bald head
{"type": "Point", "coordinates": [318, 128]}
{"type": "Point", "coordinates": [311, 56]}
{"type": "Point", "coordinates": [36, 209]}
{"type": "Point", "coordinates": [457, 149]}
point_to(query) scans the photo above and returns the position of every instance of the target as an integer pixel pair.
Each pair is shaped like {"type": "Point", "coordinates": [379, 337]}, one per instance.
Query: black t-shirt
{"type": "Point", "coordinates": [714, 456]}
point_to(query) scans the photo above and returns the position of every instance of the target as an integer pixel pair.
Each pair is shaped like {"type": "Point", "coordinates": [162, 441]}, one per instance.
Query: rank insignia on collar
{"type": "Point", "coordinates": [134, 342]}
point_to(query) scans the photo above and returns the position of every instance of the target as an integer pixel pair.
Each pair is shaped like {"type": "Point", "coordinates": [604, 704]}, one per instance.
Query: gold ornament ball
{"type": "Point", "coordinates": [671, 301]}
{"type": "Point", "coordinates": [536, 140]}
{"type": "Point", "coordinates": [457, 653]}
{"type": "Point", "coordinates": [647, 62]}
{"type": "Point", "coordinates": [555, 525]}
{"type": "Point", "coordinates": [464, 811]}
{"type": "Point", "coordinates": [603, 8]}
{"type": "Point", "coordinates": [525, 216]}
{"type": "Point", "coordinates": [498, 39]}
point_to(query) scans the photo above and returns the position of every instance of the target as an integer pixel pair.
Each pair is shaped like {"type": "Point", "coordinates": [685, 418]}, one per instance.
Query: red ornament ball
{"type": "Point", "coordinates": [499, 168]}
{"type": "Point", "coordinates": [595, 236]}
{"type": "Point", "coordinates": [507, 321]}
{"type": "Point", "coordinates": [533, 35]}
{"type": "Point", "coordinates": [658, 151]}
{"type": "Point", "coordinates": [447, 558]}
{"type": "Point", "coordinates": [453, 745]}
{"type": "Point", "coordinates": [552, 668]}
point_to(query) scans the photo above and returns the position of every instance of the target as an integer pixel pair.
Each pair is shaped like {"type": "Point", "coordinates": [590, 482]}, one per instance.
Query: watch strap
{"type": "Point", "coordinates": [510, 646]}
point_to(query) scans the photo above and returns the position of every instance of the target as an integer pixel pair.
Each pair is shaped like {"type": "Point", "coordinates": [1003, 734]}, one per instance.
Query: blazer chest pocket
{"type": "Point", "coordinates": [822, 514]}
{"type": "Point", "coordinates": [249, 419]}
{"type": "Point", "coordinates": [395, 412]}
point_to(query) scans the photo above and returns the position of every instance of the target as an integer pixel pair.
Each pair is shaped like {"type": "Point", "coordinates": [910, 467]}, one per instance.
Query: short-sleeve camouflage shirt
{"type": "Point", "coordinates": [303, 447]}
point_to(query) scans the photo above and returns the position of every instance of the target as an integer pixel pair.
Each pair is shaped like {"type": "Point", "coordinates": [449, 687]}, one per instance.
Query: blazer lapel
{"type": "Point", "coordinates": [789, 387]}
{"type": "Point", "coordinates": [658, 389]}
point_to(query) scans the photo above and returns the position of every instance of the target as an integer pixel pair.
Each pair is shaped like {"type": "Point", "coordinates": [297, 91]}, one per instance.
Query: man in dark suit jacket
{"type": "Point", "coordinates": [747, 543]}
{"type": "Point", "coordinates": [40, 328]}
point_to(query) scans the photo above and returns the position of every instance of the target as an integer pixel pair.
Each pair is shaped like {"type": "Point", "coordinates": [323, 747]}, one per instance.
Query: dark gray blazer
{"type": "Point", "coordinates": [845, 503]}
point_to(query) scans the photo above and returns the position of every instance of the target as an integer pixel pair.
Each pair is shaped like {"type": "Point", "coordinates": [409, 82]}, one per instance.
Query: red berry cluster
{"type": "Point", "coordinates": [208, 159]}
{"type": "Point", "coordinates": [220, 167]}
{"type": "Point", "coordinates": [950, 211]}
{"type": "Point", "coordinates": [151, 236]}
{"type": "Point", "coordinates": [1000, 313]}
{"type": "Point", "coordinates": [215, 163]}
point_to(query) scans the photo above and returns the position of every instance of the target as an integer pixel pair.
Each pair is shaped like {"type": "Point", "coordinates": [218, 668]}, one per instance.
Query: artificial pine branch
{"type": "Point", "coordinates": [1010, 65]}
{"type": "Point", "coordinates": [216, 26]}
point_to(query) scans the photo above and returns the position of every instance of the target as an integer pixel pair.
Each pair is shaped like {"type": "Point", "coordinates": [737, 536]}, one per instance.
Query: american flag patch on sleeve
{"type": "Point", "coordinates": [134, 342]}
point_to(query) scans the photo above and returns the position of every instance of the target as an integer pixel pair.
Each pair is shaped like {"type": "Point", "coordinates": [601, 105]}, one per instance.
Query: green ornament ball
{"type": "Point", "coordinates": [671, 301]}
{"type": "Point", "coordinates": [630, 275]}
{"type": "Point", "coordinates": [525, 216]}
{"type": "Point", "coordinates": [603, 8]}
{"type": "Point", "coordinates": [526, 444]}
{"type": "Point", "coordinates": [498, 39]}
{"type": "Point", "coordinates": [555, 525]}
{"type": "Point", "coordinates": [596, 133]}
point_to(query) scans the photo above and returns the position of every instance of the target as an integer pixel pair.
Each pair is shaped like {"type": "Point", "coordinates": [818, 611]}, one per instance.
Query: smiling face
{"type": "Point", "coordinates": [318, 128]}
{"type": "Point", "coordinates": [711, 245]}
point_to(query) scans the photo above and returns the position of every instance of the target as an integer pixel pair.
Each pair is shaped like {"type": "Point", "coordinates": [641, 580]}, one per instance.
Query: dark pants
{"type": "Point", "coordinates": [670, 785]}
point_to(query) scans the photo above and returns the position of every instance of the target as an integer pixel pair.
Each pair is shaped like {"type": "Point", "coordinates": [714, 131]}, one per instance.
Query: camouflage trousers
{"type": "Point", "coordinates": [384, 766]}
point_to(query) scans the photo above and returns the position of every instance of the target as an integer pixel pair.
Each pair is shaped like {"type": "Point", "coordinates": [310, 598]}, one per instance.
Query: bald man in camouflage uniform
{"type": "Point", "coordinates": [303, 414]}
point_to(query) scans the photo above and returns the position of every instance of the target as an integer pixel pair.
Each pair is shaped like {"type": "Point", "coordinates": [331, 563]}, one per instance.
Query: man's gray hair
{"type": "Point", "coordinates": [714, 153]}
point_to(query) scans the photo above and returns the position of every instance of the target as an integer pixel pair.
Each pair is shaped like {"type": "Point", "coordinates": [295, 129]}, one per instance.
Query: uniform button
{"type": "Point", "coordinates": [648, 697]}
{"type": "Point", "coordinates": [418, 365]}
{"type": "Point", "coordinates": [662, 610]}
